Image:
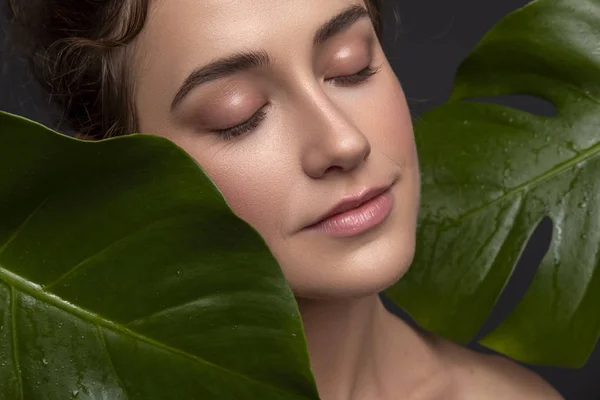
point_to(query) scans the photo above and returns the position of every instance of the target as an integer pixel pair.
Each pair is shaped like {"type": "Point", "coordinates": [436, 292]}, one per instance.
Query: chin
{"type": "Point", "coordinates": [357, 272]}
{"type": "Point", "coordinates": [320, 266]}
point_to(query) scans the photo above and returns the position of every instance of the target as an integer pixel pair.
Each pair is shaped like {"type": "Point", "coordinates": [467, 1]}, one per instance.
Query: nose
{"type": "Point", "coordinates": [333, 142]}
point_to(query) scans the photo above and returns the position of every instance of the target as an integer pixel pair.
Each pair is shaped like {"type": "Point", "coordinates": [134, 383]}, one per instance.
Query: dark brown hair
{"type": "Point", "coordinates": [78, 52]}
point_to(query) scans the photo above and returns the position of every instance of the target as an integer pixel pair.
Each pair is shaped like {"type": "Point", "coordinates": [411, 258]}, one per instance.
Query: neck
{"type": "Point", "coordinates": [359, 350]}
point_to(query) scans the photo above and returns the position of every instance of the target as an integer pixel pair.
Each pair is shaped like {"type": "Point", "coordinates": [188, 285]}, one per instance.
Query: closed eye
{"type": "Point", "coordinates": [359, 77]}
{"type": "Point", "coordinates": [249, 125]}
{"type": "Point", "coordinates": [255, 120]}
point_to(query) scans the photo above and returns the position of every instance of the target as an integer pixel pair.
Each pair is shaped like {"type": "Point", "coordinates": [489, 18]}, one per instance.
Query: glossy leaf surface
{"type": "Point", "coordinates": [124, 275]}
{"type": "Point", "coordinates": [491, 173]}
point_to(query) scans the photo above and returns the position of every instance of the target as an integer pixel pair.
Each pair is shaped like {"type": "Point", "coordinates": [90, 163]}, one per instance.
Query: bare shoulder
{"type": "Point", "coordinates": [492, 377]}
{"type": "Point", "coordinates": [510, 380]}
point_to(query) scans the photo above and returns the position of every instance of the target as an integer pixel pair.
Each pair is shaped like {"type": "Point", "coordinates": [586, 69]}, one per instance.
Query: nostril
{"type": "Point", "coordinates": [333, 168]}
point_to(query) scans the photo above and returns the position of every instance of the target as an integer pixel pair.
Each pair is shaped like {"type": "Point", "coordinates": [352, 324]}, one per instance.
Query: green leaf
{"type": "Point", "coordinates": [491, 173]}
{"type": "Point", "coordinates": [125, 275]}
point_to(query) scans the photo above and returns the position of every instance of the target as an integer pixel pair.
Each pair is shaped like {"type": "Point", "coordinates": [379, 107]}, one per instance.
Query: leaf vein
{"type": "Point", "coordinates": [112, 245]}
{"type": "Point", "coordinates": [35, 291]}
{"type": "Point", "coordinates": [557, 170]}
{"type": "Point", "coordinates": [500, 225]}
{"type": "Point", "coordinates": [22, 225]}
{"type": "Point", "coordinates": [110, 362]}
{"type": "Point", "coordinates": [16, 361]}
{"type": "Point", "coordinates": [205, 299]}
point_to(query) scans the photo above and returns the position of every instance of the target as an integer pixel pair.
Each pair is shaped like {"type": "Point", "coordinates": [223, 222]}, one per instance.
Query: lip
{"type": "Point", "coordinates": [357, 213]}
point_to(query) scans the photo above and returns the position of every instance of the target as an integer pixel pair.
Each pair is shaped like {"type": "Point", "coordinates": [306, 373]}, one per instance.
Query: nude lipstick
{"type": "Point", "coordinates": [357, 215]}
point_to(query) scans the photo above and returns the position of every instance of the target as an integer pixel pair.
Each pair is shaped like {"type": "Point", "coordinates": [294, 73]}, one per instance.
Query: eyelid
{"type": "Point", "coordinates": [248, 125]}
{"type": "Point", "coordinates": [257, 118]}
{"type": "Point", "coordinates": [357, 77]}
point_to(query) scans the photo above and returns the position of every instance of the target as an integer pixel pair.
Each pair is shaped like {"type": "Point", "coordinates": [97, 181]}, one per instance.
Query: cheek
{"type": "Point", "coordinates": [253, 188]}
{"type": "Point", "coordinates": [391, 124]}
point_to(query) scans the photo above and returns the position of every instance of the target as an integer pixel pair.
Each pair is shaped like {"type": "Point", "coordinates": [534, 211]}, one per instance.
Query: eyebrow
{"type": "Point", "coordinates": [240, 62]}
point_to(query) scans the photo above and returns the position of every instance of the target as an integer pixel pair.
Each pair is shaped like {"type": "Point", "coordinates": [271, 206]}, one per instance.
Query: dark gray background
{"type": "Point", "coordinates": [425, 41]}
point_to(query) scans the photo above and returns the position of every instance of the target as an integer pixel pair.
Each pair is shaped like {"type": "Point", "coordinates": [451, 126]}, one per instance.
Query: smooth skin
{"type": "Point", "coordinates": [314, 113]}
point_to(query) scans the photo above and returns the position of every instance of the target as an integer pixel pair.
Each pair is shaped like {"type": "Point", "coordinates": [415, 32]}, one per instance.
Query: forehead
{"type": "Point", "coordinates": [208, 28]}
{"type": "Point", "coordinates": [181, 35]}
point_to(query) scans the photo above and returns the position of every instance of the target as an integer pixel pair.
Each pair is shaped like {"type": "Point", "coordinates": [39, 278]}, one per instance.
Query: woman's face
{"type": "Point", "coordinates": [290, 107]}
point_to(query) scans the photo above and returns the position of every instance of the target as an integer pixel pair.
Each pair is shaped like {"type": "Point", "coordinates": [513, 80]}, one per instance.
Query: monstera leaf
{"type": "Point", "coordinates": [491, 173]}
{"type": "Point", "coordinates": [124, 275]}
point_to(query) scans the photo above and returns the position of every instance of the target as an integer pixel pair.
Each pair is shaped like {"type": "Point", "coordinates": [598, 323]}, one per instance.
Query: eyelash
{"type": "Point", "coordinates": [255, 120]}
{"type": "Point", "coordinates": [250, 125]}
{"type": "Point", "coordinates": [356, 78]}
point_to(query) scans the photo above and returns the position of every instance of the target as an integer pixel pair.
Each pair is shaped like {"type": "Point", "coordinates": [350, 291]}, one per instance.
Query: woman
{"type": "Point", "coordinates": [294, 112]}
